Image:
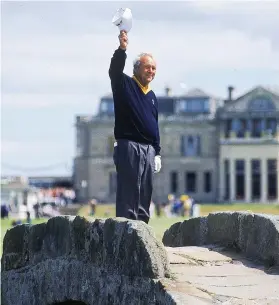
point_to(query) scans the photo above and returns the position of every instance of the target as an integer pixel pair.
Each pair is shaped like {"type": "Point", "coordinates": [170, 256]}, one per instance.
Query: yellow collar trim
{"type": "Point", "coordinates": [145, 89]}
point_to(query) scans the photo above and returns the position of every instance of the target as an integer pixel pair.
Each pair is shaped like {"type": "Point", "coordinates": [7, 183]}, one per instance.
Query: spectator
{"type": "Point", "coordinates": [4, 211]}
{"type": "Point", "coordinates": [92, 207]}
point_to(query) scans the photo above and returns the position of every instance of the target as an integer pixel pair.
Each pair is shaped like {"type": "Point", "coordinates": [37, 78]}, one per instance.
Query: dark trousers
{"type": "Point", "coordinates": [135, 169]}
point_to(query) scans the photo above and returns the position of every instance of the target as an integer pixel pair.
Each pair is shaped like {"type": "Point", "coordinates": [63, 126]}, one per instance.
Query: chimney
{"type": "Point", "coordinates": [168, 91]}
{"type": "Point", "coordinates": [230, 90]}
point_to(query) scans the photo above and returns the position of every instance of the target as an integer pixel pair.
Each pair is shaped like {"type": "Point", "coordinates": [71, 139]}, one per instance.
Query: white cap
{"type": "Point", "coordinates": [123, 19]}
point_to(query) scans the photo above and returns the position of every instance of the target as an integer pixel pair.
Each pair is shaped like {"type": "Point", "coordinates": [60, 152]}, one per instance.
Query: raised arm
{"type": "Point", "coordinates": [117, 63]}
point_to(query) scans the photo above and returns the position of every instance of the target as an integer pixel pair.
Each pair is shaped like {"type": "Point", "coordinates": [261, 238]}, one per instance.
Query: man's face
{"type": "Point", "coordinates": [147, 70]}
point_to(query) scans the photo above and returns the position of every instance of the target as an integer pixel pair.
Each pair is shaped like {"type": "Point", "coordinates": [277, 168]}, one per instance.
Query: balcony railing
{"type": "Point", "coordinates": [248, 138]}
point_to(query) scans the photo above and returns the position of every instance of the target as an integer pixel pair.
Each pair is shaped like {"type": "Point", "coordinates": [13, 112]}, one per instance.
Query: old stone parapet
{"type": "Point", "coordinates": [112, 261]}
{"type": "Point", "coordinates": [255, 235]}
{"type": "Point", "coordinates": [70, 260]}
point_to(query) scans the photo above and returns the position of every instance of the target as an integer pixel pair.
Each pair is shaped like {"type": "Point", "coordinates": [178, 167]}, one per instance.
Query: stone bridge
{"type": "Point", "coordinates": [224, 258]}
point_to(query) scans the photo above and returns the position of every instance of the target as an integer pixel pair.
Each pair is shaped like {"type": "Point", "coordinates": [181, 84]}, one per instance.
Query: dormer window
{"type": "Point", "coordinates": [192, 105]}
{"type": "Point", "coordinates": [107, 107]}
{"type": "Point", "coordinates": [261, 103]}
{"type": "Point", "coordinates": [104, 107]}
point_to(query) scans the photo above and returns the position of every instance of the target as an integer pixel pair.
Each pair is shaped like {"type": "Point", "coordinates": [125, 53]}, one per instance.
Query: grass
{"type": "Point", "coordinates": [205, 209]}
{"type": "Point", "coordinates": [255, 208]}
{"type": "Point", "coordinates": [159, 224]}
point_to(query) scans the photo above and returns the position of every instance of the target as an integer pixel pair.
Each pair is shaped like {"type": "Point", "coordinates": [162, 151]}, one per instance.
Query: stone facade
{"type": "Point", "coordinates": [205, 142]}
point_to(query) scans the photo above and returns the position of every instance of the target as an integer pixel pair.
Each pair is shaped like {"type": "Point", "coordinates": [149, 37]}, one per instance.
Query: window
{"type": "Point", "coordinates": [228, 128]}
{"type": "Point", "coordinates": [112, 183]}
{"type": "Point", "coordinates": [227, 178]}
{"type": "Point", "coordinates": [272, 179]}
{"type": "Point", "coordinates": [256, 179]}
{"type": "Point", "coordinates": [193, 105]}
{"type": "Point", "coordinates": [256, 128]}
{"type": "Point", "coordinates": [104, 107]}
{"type": "Point", "coordinates": [79, 142]}
{"type": "Point", "coordinates": [239, 127]}
{"type": "Point", "coordinates": [242, 128]}
{"type": "Point", "coordinates": [261, 103]}
{"type": "Point", "coordinates": [240, 179]}
{"type": "Point", "coordinates": [206, 106]}
{"type": "Point", "coordinates": [82, 142]}
{"type": "Point", "coordinates": [190, 145]}
{"type": "Point", "coordinates": [173, 182]}
{"type": "Point", "coordinates": [271, 126]}
{"type": "Point", "coordinates": [235, 125]}
{"type": "Point", "coordinates": [107, 106]}
{"type": "Point", "coordinates": [110, 145]}
{"type": "Point", "coordinates": [207, 182]}
{"type": "Point", "coordinates": [191, 182]}
{"type": "Point", "coordinates": [180, 106]}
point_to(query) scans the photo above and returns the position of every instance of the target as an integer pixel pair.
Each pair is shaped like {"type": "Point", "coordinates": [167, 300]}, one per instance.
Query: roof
{"type": "Point", "coordinates": [196, 92]}
{"type": "Point", "coordinates": [108, 95]}
{"type": "Point", "coordinates": [273, 89]}
{"type": "Point", "coordinates": [265, 88]}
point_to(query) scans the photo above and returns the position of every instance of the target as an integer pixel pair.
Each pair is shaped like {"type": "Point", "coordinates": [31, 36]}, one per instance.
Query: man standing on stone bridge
{"type": "Point", "coordinates": [137, 148]}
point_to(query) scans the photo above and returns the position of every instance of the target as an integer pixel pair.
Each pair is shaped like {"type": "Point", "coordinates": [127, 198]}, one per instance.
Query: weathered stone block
{"type": "Point", "coordinates": [246, 221]}
{"type": "Point", "coordinates": [263, 239]}
{"type": "Point", "coordinates": [119, 245]}
{"type": "Point", "coordinates": [15, 248]}
{"type": "Point", "coordinates": [58, 280]}
{"type": "Point", "coordinates": [112, 261]}
{"type": "Point", "coordinates": [190, 232]}
{"type": "Point", "coordinates": [172, 235]}
{"type": "Point", "coordinates": [222, 228]}
{"type": "Point", "coordinates": [256, 235]}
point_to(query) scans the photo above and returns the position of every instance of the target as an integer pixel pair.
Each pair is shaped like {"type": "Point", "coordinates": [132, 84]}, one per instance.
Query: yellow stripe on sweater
{"type": "Point", "coordinates": [144, 89]}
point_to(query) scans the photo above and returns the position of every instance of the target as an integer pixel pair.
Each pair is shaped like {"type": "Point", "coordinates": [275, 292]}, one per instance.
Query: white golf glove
{"type": "Point", "coordinates": [158, 164]}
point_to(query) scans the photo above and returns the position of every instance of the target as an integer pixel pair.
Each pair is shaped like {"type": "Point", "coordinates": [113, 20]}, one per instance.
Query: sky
{"type": "Point", "coordinates": [55, 57]}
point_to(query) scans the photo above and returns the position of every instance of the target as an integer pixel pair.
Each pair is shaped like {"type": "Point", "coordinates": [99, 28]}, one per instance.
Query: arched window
{"type": "Point", "coordinates": [261, 103]}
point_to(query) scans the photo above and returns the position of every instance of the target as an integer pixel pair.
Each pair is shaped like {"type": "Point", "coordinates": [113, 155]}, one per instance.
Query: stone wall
{"type": "Point", "coordinates": [112, 261]}
{"type": "Point", "coordinates": [255, 235]}
{"type": "Point", "coordinates": [70, 260]}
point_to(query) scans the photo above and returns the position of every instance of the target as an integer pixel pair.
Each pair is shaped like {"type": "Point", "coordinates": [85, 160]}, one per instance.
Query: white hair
{"type": "Point", "coordinates": [136, 62]}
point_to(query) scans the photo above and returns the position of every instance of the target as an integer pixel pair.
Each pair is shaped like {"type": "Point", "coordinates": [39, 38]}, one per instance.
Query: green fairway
{"type": "Point", "coordinates": [108, 210]}
{"type": "Point", "coordinates": [205, 209]}
{"type": "Point", "coordinates": [159, 224]}
{"type": "Point", "coordinates": [254, 208]}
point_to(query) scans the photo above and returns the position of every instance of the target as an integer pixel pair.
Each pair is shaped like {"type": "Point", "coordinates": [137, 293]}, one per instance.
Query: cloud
{"type": "Point", "coordinates": [33, 101]}
{"type": "Point", "coordinates": [66, 47]}
{"type": "Point", "coordinates": [74, 64]}
{"type": "Point", "coordinates": [56, 55]}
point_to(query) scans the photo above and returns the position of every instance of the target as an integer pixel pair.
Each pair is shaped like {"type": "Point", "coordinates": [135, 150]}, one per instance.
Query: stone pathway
{"type": "Point", "coordinates": [203, 275]}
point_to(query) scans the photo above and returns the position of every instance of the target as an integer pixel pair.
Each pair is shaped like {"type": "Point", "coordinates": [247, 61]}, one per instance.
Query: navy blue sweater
{"type": "Point", "coordinates": [136, 113]}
